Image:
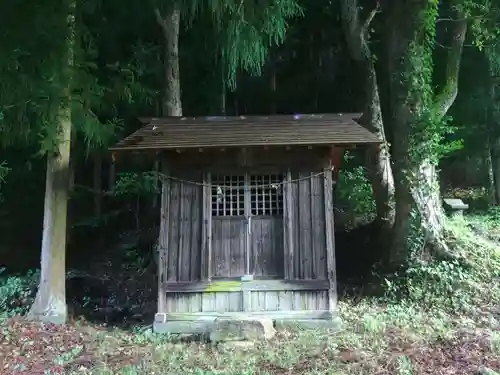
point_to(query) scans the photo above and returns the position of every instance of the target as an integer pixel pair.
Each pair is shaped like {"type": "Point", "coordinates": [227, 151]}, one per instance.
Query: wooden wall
{"type": "Point", "coordinates": [308, 240]}
{"type": "Point", "coordinates": [259, 301]}
{"type": "Point", "coordinates": [181, 229]}
{"type": "Point", "coordinates": [297, 250]}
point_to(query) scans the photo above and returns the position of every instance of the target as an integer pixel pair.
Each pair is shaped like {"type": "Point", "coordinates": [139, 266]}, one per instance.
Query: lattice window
{"type": "Point", "coordinates": [266, 198]}
{"type": "Point", "coordinates": [264, 194]}
{"type": "Point", "coordinates": [228, 195]}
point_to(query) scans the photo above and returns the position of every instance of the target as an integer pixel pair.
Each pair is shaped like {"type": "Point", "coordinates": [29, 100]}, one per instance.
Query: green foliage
{"type": "Point", "coordinates": [3, 173]}
{"type": "Point", "coordinates": [4, 169]}
{"type": "Point", "coordinates": [483, 18]}
{"type": "Point", "coordinates": [452, 286]}
{"type": "Point", "coordinates": [430, 129]}
{"type": "Point", "coordinates": [477, 198]}
{"type": "Point", "coordinates": [435, 284]}
{"type": "Point", "coordinates": [136, 184]}
{"type": "Point", "coordinates": [31, 82]}
{"type": "Point", "coordinates": [354, 190]}
{"type": "Point", "coordinates": [17, 292]}
{"type": "Point", "coordinates": [245, 31]}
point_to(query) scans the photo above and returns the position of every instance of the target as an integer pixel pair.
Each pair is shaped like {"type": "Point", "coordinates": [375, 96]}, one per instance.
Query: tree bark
{"type": "Point", "coordinates": [97, 177]}
{"type": "Point", "coordinates": [170, 24]}
{"type": "Point", "coordinates": [378, 158]}
{"type": "Point", "coordinates": [50, 301]}
{"type": "Point", "coordinates": [493, 135]}
{"type": "Point", "coordinates": [495, 167]}
{"type": "Point", "coordinates": [417, 181]}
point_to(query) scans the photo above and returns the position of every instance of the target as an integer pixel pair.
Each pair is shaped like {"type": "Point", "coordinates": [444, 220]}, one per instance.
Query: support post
{"type": "Point", "coordinates": [287, 226]}
{"type": "Point", "coordinates": [206, 231]}
{"type": "Point", "coordinates": [163, 240]}
{"type": "Point", "coordinates": [330, 239]}
{"type": "Point", "coordinates": [246, 295]}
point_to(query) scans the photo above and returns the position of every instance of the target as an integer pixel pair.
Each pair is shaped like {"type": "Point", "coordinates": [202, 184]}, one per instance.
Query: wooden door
{"type": "Point", "coordinates": [229, 226]}
{"type": "Point", "coordinates": [247, 226]}
{"type": "Point", "coordinates": [266, 225]}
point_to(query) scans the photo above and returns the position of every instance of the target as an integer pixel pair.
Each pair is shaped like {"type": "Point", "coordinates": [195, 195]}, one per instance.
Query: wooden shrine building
{"type": "Point", "coordinates": [247, 216]}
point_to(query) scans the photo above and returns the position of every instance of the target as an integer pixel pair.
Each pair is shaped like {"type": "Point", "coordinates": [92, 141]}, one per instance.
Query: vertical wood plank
{"type": "Point", "coordinates": [330, 240]}
{"type": "Point", "coordinates": [181, 219]}
{"type": "Point", "coordinates": [173, 237]}
{"type": "Point", "coordinates": [206, 230]}
{"type": "Point", "coordinates": [195, 247]}
{"type": "Point", "coordinates": [206, 196]}
{"type": "Point", "coordinates": [305, 226]}
{"type": "Point", "coordinates": [209, 227]}
{"type": "Point", "coordinates": [163, 241]}
{"type": "Point", "coordinates": [288, 226]}
{"type": "Point", "coordinates": [313, 199]}
{"type": "Point", "coordinates": [318, 230]}
{"type": "Point", "coordinates": [246, 295]}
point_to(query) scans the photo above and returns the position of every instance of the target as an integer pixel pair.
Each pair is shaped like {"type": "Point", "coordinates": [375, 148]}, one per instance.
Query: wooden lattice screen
{"type": "Point", "coordinates": [264, 194]}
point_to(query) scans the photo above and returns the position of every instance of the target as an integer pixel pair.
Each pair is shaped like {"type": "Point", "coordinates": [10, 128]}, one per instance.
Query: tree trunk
{"type": "Point", "coordinates": [223, 90]}
{"type": "Point", "coordinates": [50, 302]}
{"type": "Point", "coordinates": [112, 172]}
{"type": "Point", "coordinates": [378, 158]}
{"type": "Point", "coordinates": [493, 132]}
{"type": "Point", "coordinates": [495, 168]}
{"type": "Point", "coordinates": [416, 177]}
{"type": "Point", "coordinates": [97, 177]}
{"type": "Point", "coordinates": [272, 86]}
{"type": "Point", "coordinates": [170, 23]}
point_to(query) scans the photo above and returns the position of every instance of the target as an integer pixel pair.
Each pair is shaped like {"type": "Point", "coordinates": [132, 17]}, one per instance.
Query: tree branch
{"type": "Point", "coordinates": [354, 30]}
{"type": "Point", "coordinates": [447, 95]}
{"type": "Point", "coordinates": [370, 17]}
{"type": "Point", "coordinates": [349, 11]}
{"type": "Point", "coordinates": [161, 21]}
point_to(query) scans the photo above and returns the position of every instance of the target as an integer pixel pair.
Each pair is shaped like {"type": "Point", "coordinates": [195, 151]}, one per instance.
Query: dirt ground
{"type": "Point", "coordinates": [383, 342]}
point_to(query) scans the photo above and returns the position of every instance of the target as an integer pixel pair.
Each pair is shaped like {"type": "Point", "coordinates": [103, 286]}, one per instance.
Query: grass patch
{"type": "Point", "coordinates": [445, 322]}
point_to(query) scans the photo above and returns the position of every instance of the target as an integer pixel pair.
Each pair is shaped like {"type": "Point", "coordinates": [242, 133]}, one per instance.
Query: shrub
{"type": "Point", "coordinates": [17, 292]}
{"type": "Point", "coordinates": [354, 191]}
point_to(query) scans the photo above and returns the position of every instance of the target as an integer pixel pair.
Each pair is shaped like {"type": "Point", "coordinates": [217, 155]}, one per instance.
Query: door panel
{"type": "Point", "coordinates": [228, 246]}
{"type": "Point", "coordinates": [267, 246]}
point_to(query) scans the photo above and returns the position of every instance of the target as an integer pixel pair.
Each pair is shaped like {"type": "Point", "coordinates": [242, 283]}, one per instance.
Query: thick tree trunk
{"type": "Point", "coordinates": [378, 158]}
{"type": "Point", "coordinates": [416, 180]}
{"type": "Point", "coordinates": [170, 24]}
{"type": "Point", "coordinates": [493, 136]}
{"type": "Point", "coordinates": [50, 302]}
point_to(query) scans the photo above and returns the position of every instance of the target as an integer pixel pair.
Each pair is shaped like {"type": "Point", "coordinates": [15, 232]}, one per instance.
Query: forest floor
{"type": "Point", "coordinates": [442, 319]}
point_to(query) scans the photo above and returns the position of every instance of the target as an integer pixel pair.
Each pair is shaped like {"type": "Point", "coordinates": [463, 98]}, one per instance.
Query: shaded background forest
{"type": "Point", "coordinates": [114, 210]}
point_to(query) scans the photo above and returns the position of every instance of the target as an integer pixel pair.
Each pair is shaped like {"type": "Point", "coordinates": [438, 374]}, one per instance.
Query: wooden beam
{"type": "Point", "coordinates": [290, 314]}
{"type": "Point", "coordinates": [206, 231]}
{"type": "Point", "coordinates": [246, 296]}
{"type": "Point", "coordinates": [288, 207]}
{"type": "Point", "coordinates": [215, 286]}
{"type": "Point", "coordinates": [330, 240]}
{"type": "Point", "coordinates": [163, 240]}
{"type": "Point", "coordinates": [157, 170]}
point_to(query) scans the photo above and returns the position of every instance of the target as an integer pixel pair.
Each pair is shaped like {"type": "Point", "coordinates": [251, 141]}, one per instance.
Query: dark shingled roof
{"type": "Point", "coordinates": [240, 131]}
